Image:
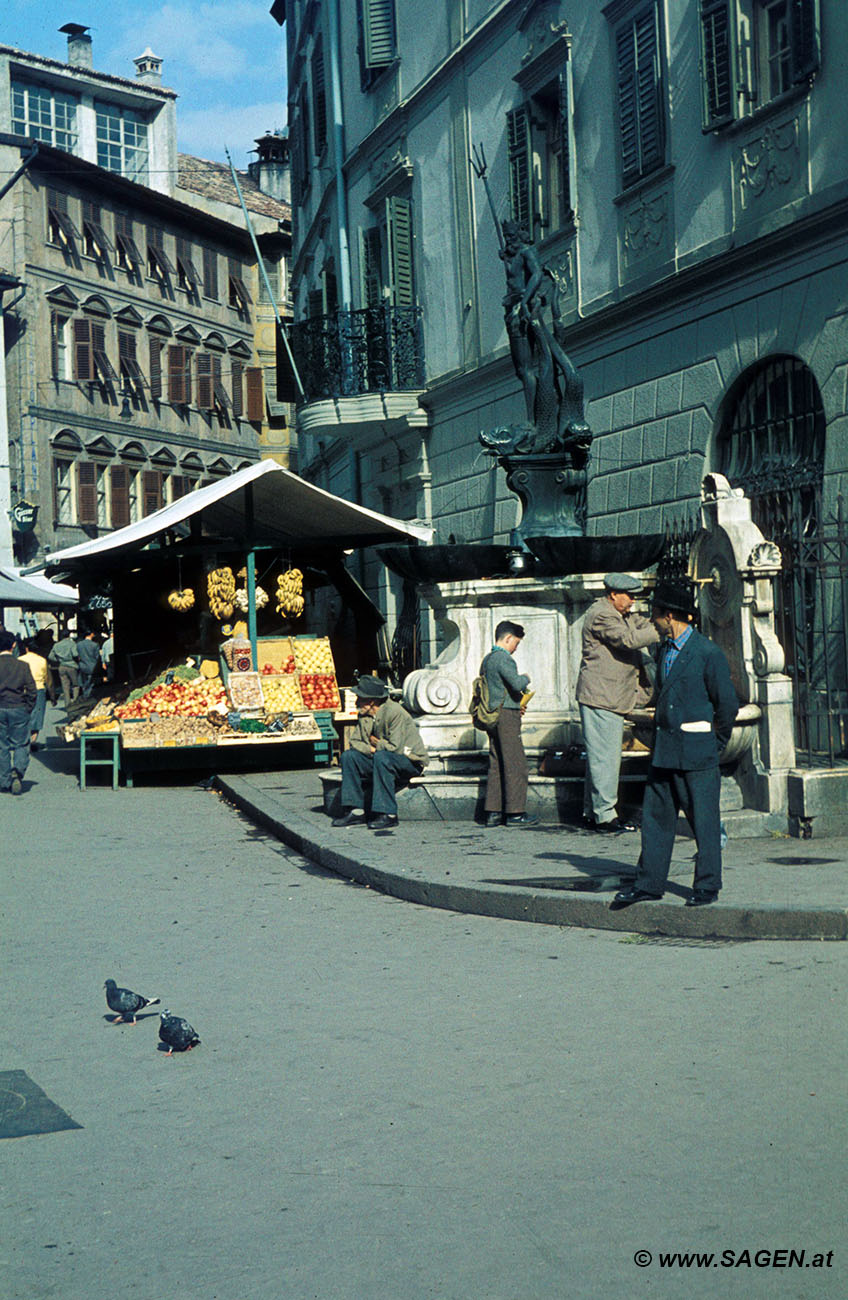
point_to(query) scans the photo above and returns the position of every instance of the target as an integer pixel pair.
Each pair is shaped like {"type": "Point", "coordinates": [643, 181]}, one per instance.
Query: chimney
{"type": "Point", "coordinates": [271, 171]}
{"type": "Point", "coordinates": [79, 45]}
{"type": "Point", "coordinates": [148, 67]}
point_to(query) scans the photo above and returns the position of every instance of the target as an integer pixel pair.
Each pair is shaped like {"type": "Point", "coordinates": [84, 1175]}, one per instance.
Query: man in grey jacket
{"type": "Point", "coordinates": [17, 697]}
{"type": "Point", "coordinates": [609, 685]}
{"type": "Point", "coordinates": [506, 781]}
{"type": "Point", "coordinates": [385, 748]}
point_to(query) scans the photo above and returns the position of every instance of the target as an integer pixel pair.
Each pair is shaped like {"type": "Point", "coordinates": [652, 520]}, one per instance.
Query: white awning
{"type": "Point", "coordinates": [285, 510]}
{"type": "Point", "coordinates": [34, 592]}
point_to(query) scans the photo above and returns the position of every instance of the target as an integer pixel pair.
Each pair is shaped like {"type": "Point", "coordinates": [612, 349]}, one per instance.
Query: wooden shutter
{"type": "Point", "coordinates": [399, 228]}
{"type": "Point", "coordinates": [370, 267]}
{"type": "Point", "coordinates": [219, 392]}
{"type": "Point", "coordinates": [520, 169]}
{"type": "Point", "coordinates": [238, 391]}
{"type": "Point", "coordinates": [86, 493]}
{"type": "Point", "coordinates": [204, 381]}
{"type": "Point", "coordinates": [566, 212]}
{"type": "Point", "coordinates": [102, 364]}
{"type": "Point", "coordinates": [210, 273]}
{"type": "Point", "coordinates": [83, 354]}
{"type": "Point", "coordinates": [319, 98]}
{"type": "Point", "coordinates": [151, 491]}
{"type": "Point", "coordinates": [378, 32]}
{"type": "Point", "coordinates": [640, 118]}
{"type": "Point", "coordinates": [179, 374]}
{"type": "Point", "coordinates": [718, 61]}
{"type": "Point", "coordinates": [119, 477]}
{"type": "Point", "coordinates": [156, 346]}
{"type": "Point", "coordinates": [255, 395]}
{"type": "Point", "coordinates": [806, 39]}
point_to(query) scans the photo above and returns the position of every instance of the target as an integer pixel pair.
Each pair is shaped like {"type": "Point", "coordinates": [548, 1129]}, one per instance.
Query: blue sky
{"type": "Point", "coordinates": [224, 58]}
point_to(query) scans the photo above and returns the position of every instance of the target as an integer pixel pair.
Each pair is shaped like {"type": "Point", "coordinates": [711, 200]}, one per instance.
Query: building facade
{"type": "Point", "coordinates": [132, 365]}
{"type": "Point", "coordinates": [677, 168]}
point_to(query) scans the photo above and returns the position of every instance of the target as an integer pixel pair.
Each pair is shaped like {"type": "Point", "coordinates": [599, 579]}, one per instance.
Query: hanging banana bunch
{"type": "Point", "coordinates": [182, 599]}
{"type": "Point", "coordinates": [221, 589]}
{"type": "Point", "coordinates": [290, 600]}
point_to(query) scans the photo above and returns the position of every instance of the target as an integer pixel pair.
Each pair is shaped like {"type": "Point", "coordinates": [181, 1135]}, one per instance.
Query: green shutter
{"type": "Point", "coordinates": [520, 169]}
{"type": "Point", "coordinates": [639, 95]}
{"type": "Point", "coordinates": [370, 267]}
{"type": "Point", "coordinates": [399, 228]}
{"type": "Point", "coordinates": [806, 39]}
{"type": "Point", "coordinates": [319, 99]}
{"type": "Point", "coordinates": [566, 207]}
{"type": "Point", "coordinates": [378, 33]}
{"type": "Point", "coordinates": [718, 61]}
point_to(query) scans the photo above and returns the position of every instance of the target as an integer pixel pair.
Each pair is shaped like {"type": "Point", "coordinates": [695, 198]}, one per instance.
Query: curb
{"type": "Point", "coordinates": [541, 907]}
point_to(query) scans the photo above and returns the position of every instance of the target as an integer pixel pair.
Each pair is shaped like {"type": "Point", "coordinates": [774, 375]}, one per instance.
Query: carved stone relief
{"type": "Point", "coordinates": [768, 165]}
{"type": "Point", "coordinates": [645, 230]}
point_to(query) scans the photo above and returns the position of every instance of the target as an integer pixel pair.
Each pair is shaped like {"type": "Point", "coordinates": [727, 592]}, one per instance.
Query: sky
{"type": "Point", "coordinates": [224, 58]}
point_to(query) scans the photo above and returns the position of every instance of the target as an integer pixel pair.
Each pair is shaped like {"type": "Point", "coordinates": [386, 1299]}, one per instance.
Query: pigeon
{"type": "Point", "coordinates": [177, 1033]}
{"type": "Point", "coordinates": [125, 1002]}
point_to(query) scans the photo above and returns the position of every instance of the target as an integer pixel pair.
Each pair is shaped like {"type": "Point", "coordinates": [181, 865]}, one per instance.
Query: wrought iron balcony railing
{"type": "Point", "coordinates": [346, 354]}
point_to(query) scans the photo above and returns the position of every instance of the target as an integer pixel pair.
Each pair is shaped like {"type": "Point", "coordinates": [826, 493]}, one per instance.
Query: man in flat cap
{"type": "Point", "coordinates": [696, 705]}
{"type": "Point", "coordinates": [385, 748]}
{"type": "Point", "coordinates": [611, 682]}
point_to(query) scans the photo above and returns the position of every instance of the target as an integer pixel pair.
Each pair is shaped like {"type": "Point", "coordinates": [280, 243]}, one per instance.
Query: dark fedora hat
{"type": "Point", "coordinates": [676, 597]}
{"type": "Point", "coordinates": [371, 688]}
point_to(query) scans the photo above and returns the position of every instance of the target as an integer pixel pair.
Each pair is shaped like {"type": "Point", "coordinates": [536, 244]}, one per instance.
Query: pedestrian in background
{"type": "Point", "coordinates": [40, 670]}
{"type": "Point", "coordinates": [107, 651]}
{"type": "Point", "coordinates": [612, 681]}
{"type": "Point", "coordinates": [506, 780]}
{"type": "Point", "coordinates": [88, 652]}
{"type": "Point", "coordinates": [64, 657]}
{"type": "Point", "coordinates": [696, 705]}
{"type": "Point", "coordinates": [17, 698]}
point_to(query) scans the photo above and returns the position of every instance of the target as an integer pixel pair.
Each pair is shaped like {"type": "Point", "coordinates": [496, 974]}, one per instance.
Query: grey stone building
{"type": "Point", "coordinates": [678, 167]}
{"type": "Point", "coordinates": [133, 370]}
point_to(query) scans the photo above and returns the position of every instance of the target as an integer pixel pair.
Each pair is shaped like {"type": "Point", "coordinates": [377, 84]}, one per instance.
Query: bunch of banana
{"type": "Point", "coordinates": [240, 599]}
{"type": "Point", "coordinates": [181, 599]}
{"type": "Point", "coordinates": [290, 593]}
{"type": "Point", "coordinates": [221, 589]}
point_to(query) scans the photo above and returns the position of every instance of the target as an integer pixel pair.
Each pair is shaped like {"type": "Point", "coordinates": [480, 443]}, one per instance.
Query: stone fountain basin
{"type": "Point", "coordinates": [741, 738]}
{"type": "Point", "coordinates": [554, 557]}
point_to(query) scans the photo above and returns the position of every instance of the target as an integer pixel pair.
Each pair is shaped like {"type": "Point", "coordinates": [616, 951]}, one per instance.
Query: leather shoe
{"type": "Point", "coordinates": [350, 818]}
{"type": "Point", "coordinates": [700, 898]}
{"type": "Point", "coordinates": [385, 822]}
{"type": "Point", "coordinates": [16, 787]}
{"type": "Point", "coordinates": [626, 897]}
{"type": "Point", "coordinates": [616, 825]}
{"type": "Point", "coordinates": [521, 819]}
{"type": "Point", "coordinates": [493, 819]}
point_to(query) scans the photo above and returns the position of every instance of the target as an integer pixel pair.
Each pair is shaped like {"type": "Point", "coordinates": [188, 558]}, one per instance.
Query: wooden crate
{"type": "Point", "coordinates": [307, 647]}
{"type": "Point", "coordinates": [274, 650]}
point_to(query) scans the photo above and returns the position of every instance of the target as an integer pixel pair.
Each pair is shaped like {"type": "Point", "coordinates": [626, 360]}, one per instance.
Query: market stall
{"type": "Point", "coordinates": [220, 618]}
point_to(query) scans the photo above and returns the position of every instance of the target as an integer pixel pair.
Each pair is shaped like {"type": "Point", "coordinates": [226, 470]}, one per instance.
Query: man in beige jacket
{"type": "Point", "coordinates": [385, 748]}
{"type": "Point", "coordinates": [609, 685]}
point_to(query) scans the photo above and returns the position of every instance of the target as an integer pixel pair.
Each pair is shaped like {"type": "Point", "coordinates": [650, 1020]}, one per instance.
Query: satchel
{"type": "Point", "coordinates": [483, 716]}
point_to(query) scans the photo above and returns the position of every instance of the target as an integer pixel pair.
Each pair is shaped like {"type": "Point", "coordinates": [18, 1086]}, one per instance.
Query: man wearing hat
{"type": "Point", "coordinates": [696, 705]}
{"type": "Point", "coordinates": [385, 748]}
{"type": "Point", "coordinates": [611, 682]}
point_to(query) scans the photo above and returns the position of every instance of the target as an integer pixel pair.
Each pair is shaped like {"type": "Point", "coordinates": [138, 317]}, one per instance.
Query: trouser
{"type": "Point", "coordinates": [86, 681]}
{"type": "Point", "coordinates": [382, 771]}
{"type": "Point", "coordinates": [603, 733]}
{"type": "Point", "coordinates": [69, 681]}
{"type": "Point", "coordinates": [14, 744]}
{"type": "Point", "coordinates": [506, 780]}
{"type": "Point", "coordinates": [36, 718]}
{"type": "Point", "coordinates": [696, 794]}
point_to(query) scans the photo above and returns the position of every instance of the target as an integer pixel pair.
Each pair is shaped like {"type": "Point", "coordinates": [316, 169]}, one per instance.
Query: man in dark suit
{"type": "Point", "coordinates": [696, 705]}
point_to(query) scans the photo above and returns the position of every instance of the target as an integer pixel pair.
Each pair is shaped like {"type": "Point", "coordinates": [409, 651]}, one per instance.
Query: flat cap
{"type": "Point", "coordinates": [371, 688]}
{"type": "Point", "coordinates": [622, 582]}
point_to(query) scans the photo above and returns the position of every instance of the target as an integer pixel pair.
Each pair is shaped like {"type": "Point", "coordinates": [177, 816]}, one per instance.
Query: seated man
{"type": "Point", "coordinates": [385, 747]}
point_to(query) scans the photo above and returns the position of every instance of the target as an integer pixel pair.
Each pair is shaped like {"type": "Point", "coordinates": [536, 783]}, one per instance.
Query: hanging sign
{"type": "Point", "coordinates": [23, 516]}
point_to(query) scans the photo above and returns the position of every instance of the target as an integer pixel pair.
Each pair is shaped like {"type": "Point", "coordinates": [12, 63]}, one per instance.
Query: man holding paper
{"type": "Point", "coordinates": [696, 705]}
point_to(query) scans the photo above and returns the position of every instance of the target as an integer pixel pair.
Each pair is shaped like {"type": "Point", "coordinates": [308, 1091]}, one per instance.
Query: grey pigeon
{"type": "Point", "coordinates": [125, 1002]}
{"type": "Point", "coordinates": [177, 1033]}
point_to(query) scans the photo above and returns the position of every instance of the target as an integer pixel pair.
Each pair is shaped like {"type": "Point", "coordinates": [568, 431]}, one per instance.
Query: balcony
{"type": "Point", "coordinates": [360, 369]}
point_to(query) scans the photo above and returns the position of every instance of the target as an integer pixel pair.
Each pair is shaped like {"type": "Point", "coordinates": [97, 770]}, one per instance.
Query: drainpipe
{"type": "Point", "coordinates": [337, 114]}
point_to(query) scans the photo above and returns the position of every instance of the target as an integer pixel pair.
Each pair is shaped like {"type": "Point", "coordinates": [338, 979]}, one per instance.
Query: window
{"type": "Point", "coordinates": [210, 273]}
{"type": "Point", "coordinates": [186, 270]}
{"type": "Point", "coordinates": [211, 394]}
{"type": "Point", "coordinates": [237, 371]}
{"type": "Point", "coordinates": [45, 114]}
{"type": "Point", "coordinates": [179, 374]}
{"type": "Point", "coordinates": [120, 477]}
{"type": "Point", "coordinates": [153, 485]}
{"type": "Point", "coordinates": [121, 141]}
{"type": "Point", "coordinates": [96, 242]}
{"type": "Point", "coordinates": [386, 259]}
{"type": "Point", "coordinates": [127, 255]}
{"type": "Point", "coordinates": [59, 350]}
{"type": "Point", "coordinates": [60, 226]}
{"type": "Point", "coordinates": [641, 116]}
{"type": "Point", "coordinates": [239, 296]}
{"type": "Point", "coordinates": [255, 394]}
{"type": "Point", "coordinates": [537, 150]}
{"type": "Point", "coordinates": [156, 347]}
{"type": "Point", "coordinates": [272, 270]}
{"type": "Point", "coordinates": [63, 491]}
{"type": "Point", "coordinates": [131, 374]}
{"type": "Point", "coordinates": [377, 38]}
{"type": "Point", "coordinates": [91, 362]}
{"type": "Point", "coordinates": [86, 493]}
{"type": "Point", "coordinates": [159, 265]}
{"type": "Point", "coordinates": [754, 51]}
{"type": "Point", "coordinates": [319, 98]}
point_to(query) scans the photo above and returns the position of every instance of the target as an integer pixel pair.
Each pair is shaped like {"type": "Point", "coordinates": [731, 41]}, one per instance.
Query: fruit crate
{"type": "Point", "coordinates": [321, 694]}
{"type": "Point", "coordinates": [322, 750]}
{"type": "Point", "coordinates": [281, 692]}
{"type": "Point", "coordinates": [273, 650]}
{"type": "Point", "coordinates": [312, 654]}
